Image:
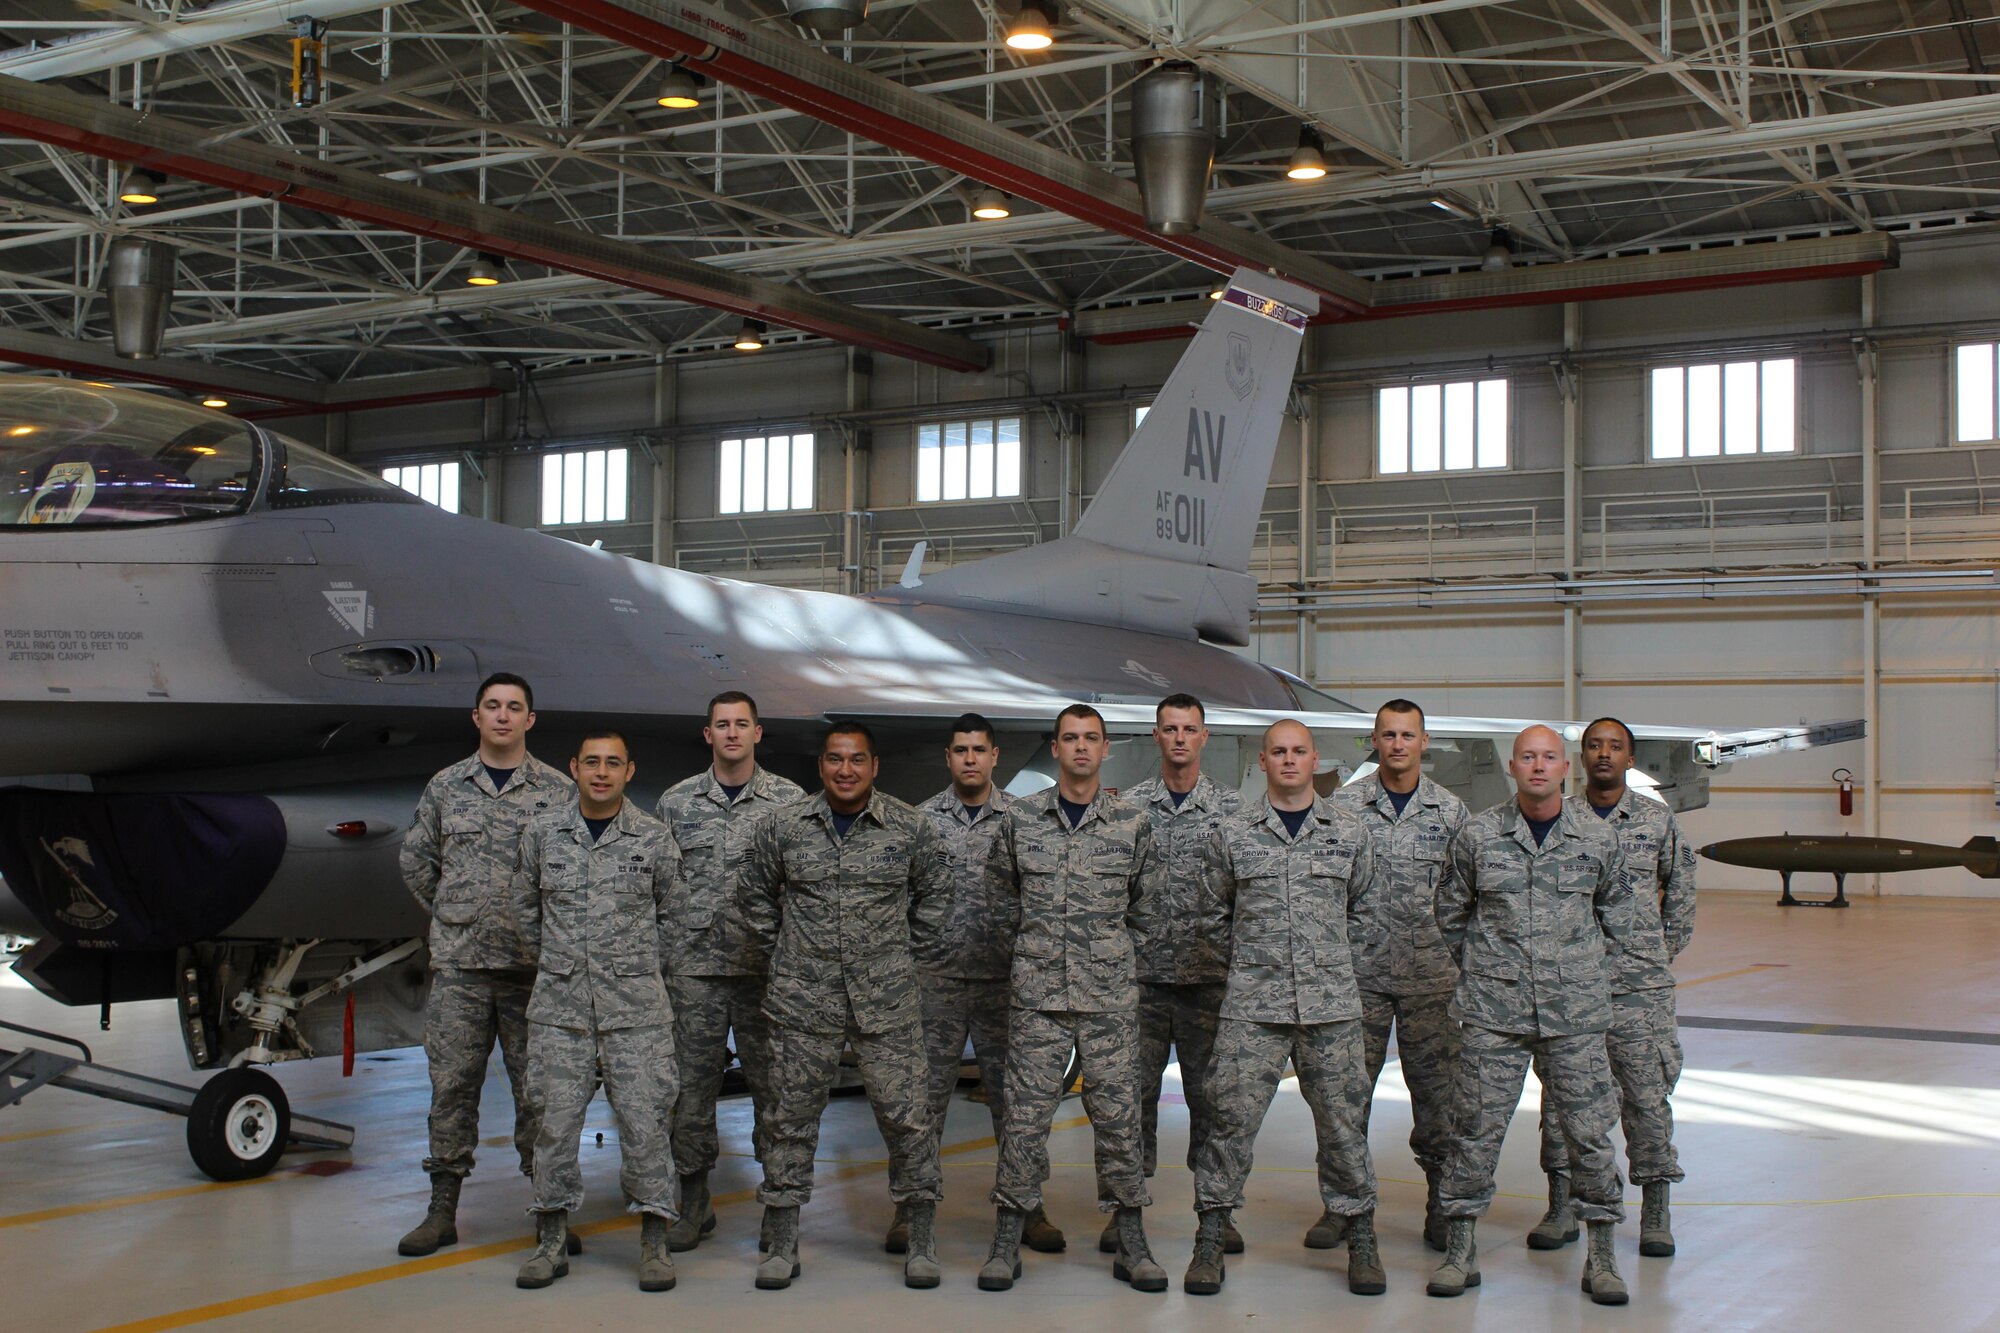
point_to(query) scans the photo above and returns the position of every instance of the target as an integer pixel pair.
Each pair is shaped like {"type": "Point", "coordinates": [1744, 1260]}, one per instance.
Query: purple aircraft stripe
{"type": "Point", "coordinates": [1267, 307]}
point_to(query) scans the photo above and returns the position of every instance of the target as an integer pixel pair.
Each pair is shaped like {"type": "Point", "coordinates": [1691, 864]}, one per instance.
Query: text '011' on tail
{"type": "Point", "coordinates": [1164, 548]}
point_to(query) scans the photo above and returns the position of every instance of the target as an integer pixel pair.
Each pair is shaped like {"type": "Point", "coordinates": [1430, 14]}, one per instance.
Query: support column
{"type": "Point", "coordinates": [1867, 368]}
{"type": "Point", "coordinates": [854, 517]}
{"type": "Point", "coordinates": [1307, 622]}
{"type": "Point", "coordinates": [1572, 522]}
{"type": "Point", "coordinates": [666, 414]}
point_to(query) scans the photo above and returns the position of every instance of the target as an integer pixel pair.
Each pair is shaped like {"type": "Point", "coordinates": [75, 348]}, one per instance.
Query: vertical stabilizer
{"type": "Point", "coordinates": [1165, 545]}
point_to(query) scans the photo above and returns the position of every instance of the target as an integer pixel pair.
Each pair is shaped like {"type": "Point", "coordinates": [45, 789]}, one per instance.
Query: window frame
{"type": "Point", "coordinates": [943, 425]}
{"type": "Point", "coordinates": [1952, 390]}
{"type": "Point", "coordinates": [456, 488]}
{"type": "Point", "coordinates": [1410, 385]}
{"type": "Point", "coordinates": [583, 481]}
{"type": "Point", "coordinates": [795, 486]}
{"type": "Point", "coordinates": [1722, 455]}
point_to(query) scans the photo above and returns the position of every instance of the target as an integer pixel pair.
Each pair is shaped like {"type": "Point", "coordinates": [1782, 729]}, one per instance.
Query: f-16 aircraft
{"type": "Point", "coordinates": [232, 661]}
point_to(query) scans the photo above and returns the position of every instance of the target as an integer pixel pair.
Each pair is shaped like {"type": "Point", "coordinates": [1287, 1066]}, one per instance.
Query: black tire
{"type": "Point", "coordinates": [239, 1124]}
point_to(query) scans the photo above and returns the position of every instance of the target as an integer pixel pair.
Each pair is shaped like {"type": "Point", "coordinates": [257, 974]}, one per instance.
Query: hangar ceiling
{"type": "Point", "coordinates": [824, 182]}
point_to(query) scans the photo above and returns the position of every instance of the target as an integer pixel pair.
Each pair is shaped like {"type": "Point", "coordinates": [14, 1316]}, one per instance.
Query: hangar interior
{"type": "Point", "coordinates": [1663, 384]}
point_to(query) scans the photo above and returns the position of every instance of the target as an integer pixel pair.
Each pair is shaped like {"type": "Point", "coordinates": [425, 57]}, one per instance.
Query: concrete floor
{"type": "Point", "coordinates": [1836, 1179]}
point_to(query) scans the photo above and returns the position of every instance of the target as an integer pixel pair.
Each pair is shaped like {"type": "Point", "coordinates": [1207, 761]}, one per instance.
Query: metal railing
{"type": "Point", "coordinates": [1708, 510]}
{"type": "Point", "coordinates": [1910, 506]}
{"type": "Point", "coordinates": [1431, 524]}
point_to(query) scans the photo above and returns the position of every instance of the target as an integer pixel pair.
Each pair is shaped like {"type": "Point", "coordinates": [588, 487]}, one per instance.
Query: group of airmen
{"type": "Point", "coordinates": [1248, 937]}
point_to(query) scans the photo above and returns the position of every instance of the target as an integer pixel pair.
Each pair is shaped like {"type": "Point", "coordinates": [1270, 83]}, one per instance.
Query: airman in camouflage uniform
{"type": "Point", "coordinates": [962, 968]}
{"type": "Point", "coordinates": [1085, 877]}
{"type": "Point", "coordinates": [1405, 972]}
{"type": "Point", "coordinates": [838, 888]}
{"type": "Point", "coordinates": [1529, 919]}
{"type": "Point", "coordinates": [458, 860]}
{"type": "Point", "coordinates": [1295, 873]}
{"type": "Point", "coordinates": [1644, 1039]}
{"type": "Point", "coordinates": [591, 893]}
{"type": "Point", "coordinates": [1185, 964]}
{"type": "Point", "coordinates": [715, 969]}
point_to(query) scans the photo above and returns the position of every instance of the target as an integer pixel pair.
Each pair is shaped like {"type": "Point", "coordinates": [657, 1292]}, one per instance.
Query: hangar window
{"type": "Point", "coordinates": [969, 460]}
{"type": "Point", "coordinates": [1725, 409]}
{"type": "Point", "coordinates": [435, 482]}
{"type": "Point", "coordinates": [762, 474]}
{"type": "Point", "coordinates": [1976, 387]}
{"type": "Point", "coordinates": [584, 486]}
{"type": "Point", "coordinates": [1451, 427]}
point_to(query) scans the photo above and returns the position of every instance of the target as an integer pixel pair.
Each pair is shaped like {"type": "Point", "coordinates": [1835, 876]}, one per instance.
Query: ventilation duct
{"type": "Point", "coordinates": [1173, 145]}
{"type": "Point", "coordinates": [827, 16]}
{"type": "Point", "coordinates": [140, 275]}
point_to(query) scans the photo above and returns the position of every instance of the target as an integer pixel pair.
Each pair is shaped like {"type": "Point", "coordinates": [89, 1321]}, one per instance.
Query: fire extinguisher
{"type": "Point", "coordinates": [1846, 781]}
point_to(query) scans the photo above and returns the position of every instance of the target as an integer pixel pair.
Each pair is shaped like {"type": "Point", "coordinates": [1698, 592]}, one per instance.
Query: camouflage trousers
{"type": "Point", "coordinates": [467, 1009]}
{"type": "Point", "coordinates": [1427, 1042]}
{"type": "Point", "coordinates": [1644, 1045]}
{"type": "Point", "coordinates": [1039, 1043]}
{"type": "Point", "coordinates": [956, 1008]}
{"type": "Point", "coordinates": [1249, 1062]}
{"type": "Point", "coordinates": [1181, 1019]}
{"type": "Point", "coordinates": [1491, 1069]}
{"type": "Point", "coordinates": [803, 1066]}
{"type": "Point", "coordinates": [706, 1011]}
{"type": "Point", "coordinates": [638, 1069]}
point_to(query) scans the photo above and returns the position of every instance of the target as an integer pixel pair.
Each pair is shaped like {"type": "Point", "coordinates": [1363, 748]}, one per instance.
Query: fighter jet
{"type": "Point", "coordinates": [232, 661]}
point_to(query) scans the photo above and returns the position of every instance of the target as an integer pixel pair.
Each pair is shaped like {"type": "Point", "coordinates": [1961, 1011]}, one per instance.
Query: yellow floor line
{"type": "Point", "coordinates": [126, 1201]}
{"type": "Point", "coordinates": [471, 1254]}
{"type": "Point", "coordinates": [1724, 976]}
{"type": "Point", "coordinates": [27, 1134]}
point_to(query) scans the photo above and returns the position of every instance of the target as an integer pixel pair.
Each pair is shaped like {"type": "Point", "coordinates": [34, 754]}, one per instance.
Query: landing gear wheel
{"type": "Point", "coordinates": [239, 1124]}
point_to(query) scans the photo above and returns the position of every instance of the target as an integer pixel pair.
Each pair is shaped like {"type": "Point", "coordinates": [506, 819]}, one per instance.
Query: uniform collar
{"type": "Point", "coordinates": [946, 802]}
{"type": "Point", "coordinates": [625, 822]}
{"type": "Point", "coordinates": [1269, 818]}
{"type": "Point", "coordinates": [817, 808]}
{"type": "Point", "coordinates": [1202, 796]}
{"type": "Point", "coordinates": [1095, 810]}
{"type": "Point", "coordinates": [1580, 805]}
{"type": "Point", "coordinates": [1564, 828]}
{"type": "Point", "coordinates": [1425, 795]}
{"type": "Point", "coordinates": [530, 772]}
{"type": "Point", "coordinates": [759, 785]}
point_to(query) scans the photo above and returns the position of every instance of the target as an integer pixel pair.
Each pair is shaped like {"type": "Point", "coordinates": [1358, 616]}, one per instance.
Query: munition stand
{"type": "Point", "coordinates": [239, 1122]}
{"type": "Point", "coordinates": [1839, 898]}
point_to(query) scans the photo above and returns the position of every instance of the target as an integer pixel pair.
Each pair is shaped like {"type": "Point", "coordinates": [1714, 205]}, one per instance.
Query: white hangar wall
{"type": "Point", "coordinates": [1388, 554]}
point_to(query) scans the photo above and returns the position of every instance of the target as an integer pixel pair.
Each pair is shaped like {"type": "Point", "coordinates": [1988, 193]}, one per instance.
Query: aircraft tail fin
{"type": "Point", "coordinates": [1165, 545]}
{"type": "Point", "coordinates": [1989, 850]}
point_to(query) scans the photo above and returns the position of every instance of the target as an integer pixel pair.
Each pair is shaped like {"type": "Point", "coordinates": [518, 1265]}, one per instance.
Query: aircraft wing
{"type": "Point", "coordinates": [1468, 754]}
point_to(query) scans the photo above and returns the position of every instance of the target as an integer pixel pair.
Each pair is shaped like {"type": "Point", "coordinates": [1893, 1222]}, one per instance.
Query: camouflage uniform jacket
{"type": "Point", "coordinates": [1397, 948]}
{"type": "Point", "coordinates": [975, 936]}
{"type": "Point", "coordinates": [1530, 926]}
{"type": "Point", "coordinates": [1085, 895]}
{"type": "Point", "coordinates": [840, 917]}
{"type": "Point", "coordinates": [713, 833]}
{"type": "Point", "coordinates": [1661, 867]}
{"type": "Point", "coordinates": [459, 856]}
{"type": "Point", "coordinates": [594, 916]}
{"type": "Point", "coordinates": [1293, 903]}
{"type": "Point", "coordinates": [1189, 942]}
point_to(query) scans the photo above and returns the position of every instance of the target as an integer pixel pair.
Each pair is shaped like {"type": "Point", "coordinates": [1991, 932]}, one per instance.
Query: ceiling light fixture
{"type": "Point", "coordinates": [681, 91]}
{"type": "Point", "coordinates": [1309, 158]}
{"type": "Point", "coordinates": [1499, 254]}
{"type": "Point", "coordinates": [750, 338]}
{"type": "Point", "coordinates": [1030, 28]}
{"type": "Point", "coordinates": [485, 271]}
{"type": "Point", "coordinates": [142, 185]}
{"type": "Point", "coordinates": [1445, 205]}
{"type": "Point", "coordinates": [215, 400]}
{"type": "Point", "coordinates": [990, 205]}
{"type": "Point", "coordinates": [1215, 293]}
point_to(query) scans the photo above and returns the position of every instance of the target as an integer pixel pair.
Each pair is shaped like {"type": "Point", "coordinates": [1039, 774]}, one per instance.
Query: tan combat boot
{"type": "Point", "coordinates": [697, 1217]}
{"type": "Point", "coordinates": [550, 1259]}
{"type": "Point", "coordinates": [1600, 1267]}
{"type": "Point", "coordinates": [440, 1224]}
{"type": "Point", "coordinates": [1206, 1271]}
{"type": "Point", "coordinates": [1134, 1263]}
{"type": "Point", "coordinates": [656, 1264]}
{"type": "Point", "coordinates": [1558, 1225]}
{"type": "Point", "coordinates": [1003, 1261]}
{"type": "Point", "coordinates": [1656, 1221]}
{"type": "Point", "coordinates": [1364, 1261]}
{"type": "Point", "coordinates": [1460, 1267]}
{"type": "Point", "coordinates": [780, 1263]}
{"type": "Point", "coordinates": [921, 1269]}
{"type": "Point", "coordinates": [1043, 1236]}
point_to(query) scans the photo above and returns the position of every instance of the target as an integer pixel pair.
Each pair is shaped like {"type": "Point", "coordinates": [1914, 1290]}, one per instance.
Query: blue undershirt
{"type": "Point", "coordinates": [1072, 811]}
{"type": "Point", "coordinates": [1400, 799]}
{"type": "Point", "coordinates": [730, 793]}
{"type": "Point", "coordinates": [1602, 811]}
{"type": "Point", "coordinates": [971, 812]}
{"type": "Point", "coordinates": [1540, 827]}
{"type": "Point", "coordinates": [499, 775]}
{"type": "Point", "coordinates": [1294, 820]}
{"type": "Point", "coordinates": [597, 826]}
{"type": "Point", "coordinates": [1179, 796]}
{"type": "Point", "coordinates": [842, 823]}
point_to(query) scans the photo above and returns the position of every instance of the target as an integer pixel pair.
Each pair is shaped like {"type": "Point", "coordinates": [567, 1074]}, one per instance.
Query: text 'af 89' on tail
{"type": "Point", "coordinates": [1165, 545]}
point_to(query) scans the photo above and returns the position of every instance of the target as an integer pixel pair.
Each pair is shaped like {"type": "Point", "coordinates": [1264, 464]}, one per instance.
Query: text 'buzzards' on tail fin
{"type": "Point", "coordinates": [1165, 545]}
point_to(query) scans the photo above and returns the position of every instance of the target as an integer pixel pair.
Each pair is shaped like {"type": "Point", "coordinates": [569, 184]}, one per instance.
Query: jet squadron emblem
{"type": "Point", "coordinates": [1242, 375]}
{"type": "Point", "coordinates": [1139, 670]}
{"type": "Point", "coordinates": [85, 910]}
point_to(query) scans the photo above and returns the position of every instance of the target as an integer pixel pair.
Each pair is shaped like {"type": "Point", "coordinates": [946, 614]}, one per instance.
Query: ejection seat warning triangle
{"type": "Point", "coordinates": [350, 608]}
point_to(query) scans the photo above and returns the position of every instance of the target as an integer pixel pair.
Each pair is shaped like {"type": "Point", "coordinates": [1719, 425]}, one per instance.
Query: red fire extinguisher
{"type": "Point", "coordinates": [1846, 781]}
